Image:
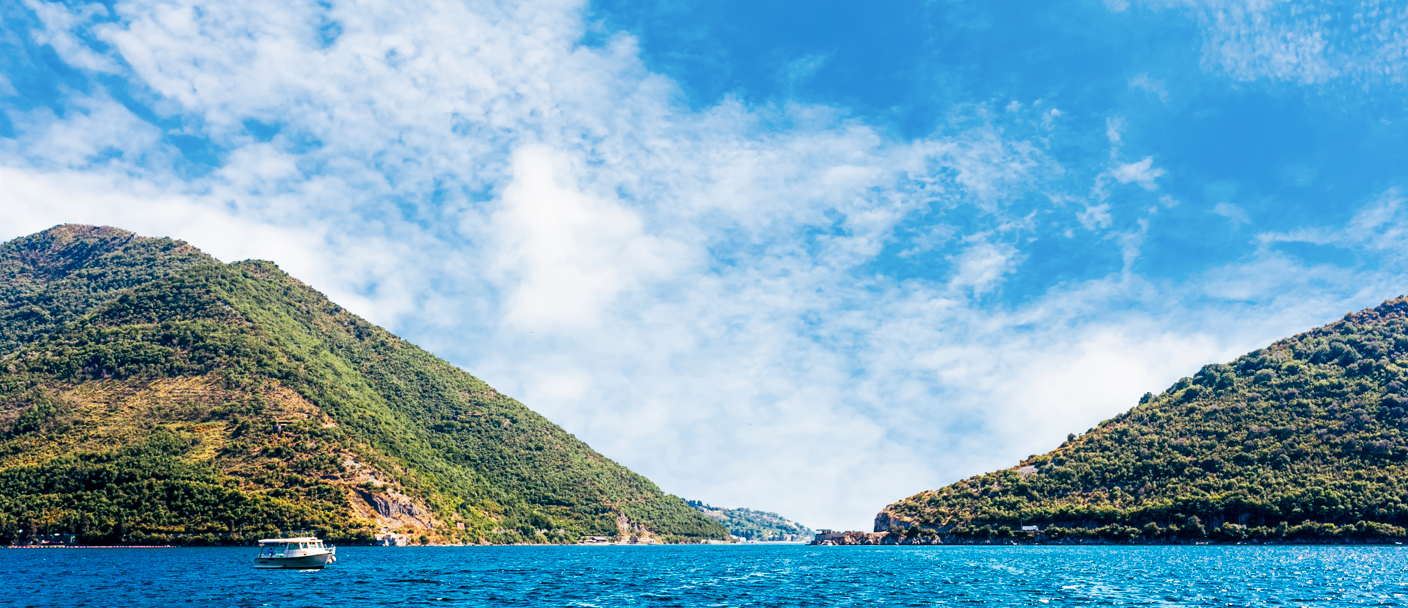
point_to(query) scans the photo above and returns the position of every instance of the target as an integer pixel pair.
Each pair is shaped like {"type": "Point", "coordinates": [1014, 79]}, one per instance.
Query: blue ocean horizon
{"type": "Point", "coordinates": [770, 575]}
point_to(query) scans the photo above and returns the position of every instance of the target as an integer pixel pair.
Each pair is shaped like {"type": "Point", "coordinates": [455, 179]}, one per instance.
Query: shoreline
{"type": "Point", "coordinates": [93, 546]}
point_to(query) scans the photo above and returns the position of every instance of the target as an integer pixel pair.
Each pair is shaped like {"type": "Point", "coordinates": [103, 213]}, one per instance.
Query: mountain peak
{"type": "Point", "coordinates": [52, 277]}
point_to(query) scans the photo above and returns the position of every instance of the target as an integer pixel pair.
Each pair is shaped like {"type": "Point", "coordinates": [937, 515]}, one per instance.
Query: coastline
{"type": "Point", "coordinates": [881, 539]}
{"type": "Point", "coordinates": [91, 546]}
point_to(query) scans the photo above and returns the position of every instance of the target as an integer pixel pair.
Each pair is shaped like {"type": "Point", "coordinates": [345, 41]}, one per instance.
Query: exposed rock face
{"type": "Point", "coordinates": [858, 538]}
{"type": "Point", "coordinates": [890, 529]}
{"type": "Point", "coordinates": [625, 528]}
{"type": "Point", "coordinates": [393, 507]}
{"type": "Point", "coordinates": [395, 511]}
{"type": "Point", "coordinates": [884, 522]}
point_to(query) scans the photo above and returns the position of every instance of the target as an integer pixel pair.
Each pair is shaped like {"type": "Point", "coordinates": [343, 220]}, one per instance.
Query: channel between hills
{"type": "Point", "coordinates": [151, 394]}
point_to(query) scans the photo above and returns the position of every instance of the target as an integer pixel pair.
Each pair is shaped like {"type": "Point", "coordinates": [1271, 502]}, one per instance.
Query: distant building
{"type": "Point", "coordinates": [392, 540]}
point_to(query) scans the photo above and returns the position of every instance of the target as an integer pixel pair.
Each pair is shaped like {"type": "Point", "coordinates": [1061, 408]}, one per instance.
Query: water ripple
{"type": "Point", "coordinates": [762, 576]}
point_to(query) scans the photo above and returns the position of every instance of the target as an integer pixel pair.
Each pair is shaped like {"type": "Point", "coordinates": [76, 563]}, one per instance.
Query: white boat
{"type": "Point", "coordinates": [302, 553]}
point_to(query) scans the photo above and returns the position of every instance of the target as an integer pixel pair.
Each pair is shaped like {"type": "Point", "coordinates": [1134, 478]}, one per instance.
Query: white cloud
{"type": "Point", "coordinates": [1377, 226]}
{"type": "Point", "coordinates": [799, 70]}
{"type": "Point", "coordinates": [96, 130]}
{"type": "Point", "coordinates": [60, 25]}
{"type": "Point", "coordinates": [1232, 212]}
{"type": "Point", "coordinates": [981, 266]}
{"type": "Point", "coordinates": [569, 254]}
{"type": "Point", "coordinates": [1314, 42]}
{"type": "Point", "coordinates": [929, 239]}
{"type": "Point", "coordinates": [1139, 172]}
{"type": "Point", "coordinates": [1130, 242]}
{"type": "Point", "coordinates": [1114, 131]}
{"type": "Point", "coordinates": [1096, 217]}
{"type": "Point", "coordinates": [1143, 82]}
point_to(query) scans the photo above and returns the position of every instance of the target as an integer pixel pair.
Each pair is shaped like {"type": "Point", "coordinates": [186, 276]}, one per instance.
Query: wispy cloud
{"type": "Point", "coordinates": [798, 71]}
{"type": "Point", "coordinates": [1232, 212]}
{"type": "Point", "coordinates": [1377, 226]}
{"type": "Point", "coordinates": [1311, 43]}
{"type": "Point", "coordinates": [1143, 82]}
{"type": "Point", "coordinates": [1141, 172]}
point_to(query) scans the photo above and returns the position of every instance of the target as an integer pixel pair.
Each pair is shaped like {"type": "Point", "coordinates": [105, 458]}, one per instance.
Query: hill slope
{"type": "Point", "coordinates": [53, 277]}
{"type": "Point", "coordinates": [1302, 440]}
{"type": "Point", "coordinates": [220, 402]}
{"type": "Point", "coordinates": [756, 526]}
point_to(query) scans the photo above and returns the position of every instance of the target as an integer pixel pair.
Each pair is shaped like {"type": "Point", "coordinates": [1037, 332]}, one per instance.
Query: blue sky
{"type": "Point", "coordinates": [1278, 152]}
{"type": "Point", "coordinates": [809, 257]}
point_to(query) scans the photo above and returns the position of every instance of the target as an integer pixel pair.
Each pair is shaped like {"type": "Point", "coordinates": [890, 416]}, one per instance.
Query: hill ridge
{"type": "Point", "coordinates": [52, 277]}
{"type": "Point", "coordinates": [754, 525]}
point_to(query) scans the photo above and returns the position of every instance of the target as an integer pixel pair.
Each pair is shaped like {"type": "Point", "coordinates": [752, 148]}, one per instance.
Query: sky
{"type": "Point", "coordinates": [805, 257]}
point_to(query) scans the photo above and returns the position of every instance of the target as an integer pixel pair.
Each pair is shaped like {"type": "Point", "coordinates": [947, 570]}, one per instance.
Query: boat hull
{"type": "Point", "coordinates": [303, 562]}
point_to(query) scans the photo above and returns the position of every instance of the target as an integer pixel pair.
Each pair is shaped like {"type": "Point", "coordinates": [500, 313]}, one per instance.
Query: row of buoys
{"type": "Point", "coordinates": [90, 546]}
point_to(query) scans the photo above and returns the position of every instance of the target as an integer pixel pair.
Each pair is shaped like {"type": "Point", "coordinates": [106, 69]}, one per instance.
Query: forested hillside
{"type": "Point", "coordinates": [756, 526]}
{"type": "Point", "coordinates": [194, 401]}
{"type": "Point", "coordinates": [53, 277]}
{"type": "Point", "coordinates": [1300, 441]}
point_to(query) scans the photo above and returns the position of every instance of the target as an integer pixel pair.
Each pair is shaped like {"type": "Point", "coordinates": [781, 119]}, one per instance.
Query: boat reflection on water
{"type": "Point", "coordinates": [301, 553]}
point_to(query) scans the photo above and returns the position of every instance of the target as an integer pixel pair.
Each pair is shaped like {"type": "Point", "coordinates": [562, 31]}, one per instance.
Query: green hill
{"type": "Point", "coordinates": [1300, 441]}
{"type": "Point", "coordinates": [53, 277]}
{"type": "Point", "coordinates": [756, 526]}
{"type": "Point", "coordinates": [177, 399]}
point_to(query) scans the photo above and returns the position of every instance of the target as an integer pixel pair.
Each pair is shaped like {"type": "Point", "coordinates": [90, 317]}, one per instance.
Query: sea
{"type": "Point", "coordinates": [758, 575]}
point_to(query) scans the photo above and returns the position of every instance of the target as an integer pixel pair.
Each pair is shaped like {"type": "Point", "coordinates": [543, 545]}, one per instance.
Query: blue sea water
{"type": "Point", "coordinates": [719, 576]}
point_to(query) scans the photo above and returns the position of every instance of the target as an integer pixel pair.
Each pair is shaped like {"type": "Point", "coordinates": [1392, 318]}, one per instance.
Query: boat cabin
{"type": "Point", "coordinates": [289, 547]}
